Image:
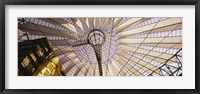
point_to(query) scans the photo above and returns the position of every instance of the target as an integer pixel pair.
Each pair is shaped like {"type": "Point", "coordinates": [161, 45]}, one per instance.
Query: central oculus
{"type": "Point", "coordinates": [96, 37]}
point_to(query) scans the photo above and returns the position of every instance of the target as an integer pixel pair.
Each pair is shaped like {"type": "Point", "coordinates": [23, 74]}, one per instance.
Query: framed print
{"type": "Point", "coordinates": [99, 46]}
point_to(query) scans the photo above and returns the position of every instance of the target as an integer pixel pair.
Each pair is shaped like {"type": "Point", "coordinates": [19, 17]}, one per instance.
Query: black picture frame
{"type": "Point", "coordinates": [3, 3]}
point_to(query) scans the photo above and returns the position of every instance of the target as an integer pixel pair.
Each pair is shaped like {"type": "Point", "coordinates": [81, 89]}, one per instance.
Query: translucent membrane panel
{"type": "Point", "coordinates": [129, 46]}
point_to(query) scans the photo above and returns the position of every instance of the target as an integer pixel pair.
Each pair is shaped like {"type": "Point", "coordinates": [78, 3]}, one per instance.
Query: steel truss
{"type": "Point", "coordinates": [168, 69]}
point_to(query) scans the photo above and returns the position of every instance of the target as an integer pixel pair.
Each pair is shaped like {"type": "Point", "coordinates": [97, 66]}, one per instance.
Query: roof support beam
{"type": "Point", "coordinates": [63, 50]}
{"type": "Point", "coordinates": [144, 65]}
{"type": "Point", "coordinates": [128, 66]}
{"type": "Point", "coordinates": [70, 56]}
{"type": "Point", "coordinates": [127, 24]}
{"type": "Point", "coordinates": [84, 25]}
{"type": "Point", "coordinates": [71, 65]}
{"type": "Point", "coordinates": [161, 45]}
{"type": "Point", "coordinates": [116, 21]}
{"type": "Point", "coordinates": [117, 68]}
{"type": "Point", "coordinates": [86, 70]}
{"type": "Point", "coordinates": [94, 70]}
{"type": "Point", "coordinates": [69, 42]}
{"type": "Point", "coordinates": [34, 29]}
{"type": "Point", "coordinates": [80, 66]}
{"type": "Point", "coordinates": [144, 51]}
{"type": "Point", "coordinates": [154, 26]}
{"type": "Point", "coordinates": [152, 40]}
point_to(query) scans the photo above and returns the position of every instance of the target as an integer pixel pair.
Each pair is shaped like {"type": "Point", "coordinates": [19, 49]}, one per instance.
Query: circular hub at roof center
{"type": "Point", "coordinates": [96, 37]}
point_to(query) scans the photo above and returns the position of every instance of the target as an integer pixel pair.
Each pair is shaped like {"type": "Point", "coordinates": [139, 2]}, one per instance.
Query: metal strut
{"type": "Point", "coordinates": [98, 50]}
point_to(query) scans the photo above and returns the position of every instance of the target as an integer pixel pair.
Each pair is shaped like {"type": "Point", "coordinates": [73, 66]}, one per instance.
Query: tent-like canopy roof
{"type": "Point", "coordinates": [131, 47]}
